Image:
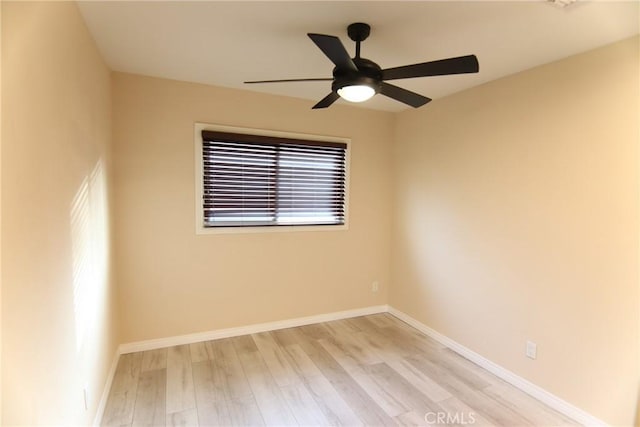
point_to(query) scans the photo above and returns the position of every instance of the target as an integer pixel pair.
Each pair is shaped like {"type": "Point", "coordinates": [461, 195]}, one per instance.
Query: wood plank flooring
{"type": "Point", "coordinates": [371, 370]}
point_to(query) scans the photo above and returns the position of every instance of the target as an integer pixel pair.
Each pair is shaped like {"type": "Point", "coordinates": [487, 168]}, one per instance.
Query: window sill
{"type": "Point", "coordinates": [270, 229]}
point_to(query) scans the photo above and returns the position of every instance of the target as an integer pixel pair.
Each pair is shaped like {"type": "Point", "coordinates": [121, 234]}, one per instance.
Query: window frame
{"type": "Point", "coordinates": [199, 185]}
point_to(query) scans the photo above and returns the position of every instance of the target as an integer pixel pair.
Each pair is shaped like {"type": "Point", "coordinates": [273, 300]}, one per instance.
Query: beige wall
{"type": "Point", "coordinates": [517, 218]}
{"type": "Point", "coordinates": [57, 313]}
{"type": "Point", "coordinates": [173, 281]}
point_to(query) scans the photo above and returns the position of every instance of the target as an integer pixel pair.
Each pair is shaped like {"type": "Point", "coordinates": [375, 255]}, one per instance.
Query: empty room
{"type": "Point", "coordinates": [320, 213]}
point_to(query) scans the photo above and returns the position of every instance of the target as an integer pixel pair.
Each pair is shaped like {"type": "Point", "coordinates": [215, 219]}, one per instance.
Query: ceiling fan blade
{"type": "Point", "coordinates": [459, 65]}
{"type": "Point", "coordinates": [322, 79]}
{"type": "Point", "coordinates": [326, 101]}
{"type": "Point", "coordinates": [335, 51]}
{"type": "Point", "coordinates": [406, 96]}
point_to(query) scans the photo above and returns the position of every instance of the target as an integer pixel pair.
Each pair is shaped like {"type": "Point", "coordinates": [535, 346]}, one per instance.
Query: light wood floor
{"type": "Point", "coordinates": [371, 370]}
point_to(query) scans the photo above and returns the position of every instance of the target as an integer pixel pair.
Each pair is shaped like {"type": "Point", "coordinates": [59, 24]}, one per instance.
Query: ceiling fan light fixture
{"type": "Point", "coordinates": [354, 87]}
{"type": "Point", "coordinates": [356, 93]}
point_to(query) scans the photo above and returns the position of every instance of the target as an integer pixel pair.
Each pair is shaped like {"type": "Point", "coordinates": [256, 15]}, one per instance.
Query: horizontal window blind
{"type": "Point", "coordinates": [252, 180]}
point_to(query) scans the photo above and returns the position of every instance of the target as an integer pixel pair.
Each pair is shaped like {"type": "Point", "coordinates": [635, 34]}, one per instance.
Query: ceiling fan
{"type": "Point", "coordinates": [358, 79]}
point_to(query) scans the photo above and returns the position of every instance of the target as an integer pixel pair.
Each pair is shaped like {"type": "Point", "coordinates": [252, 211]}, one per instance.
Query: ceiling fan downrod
{"type": "Point", "coordinates": [358, 32]}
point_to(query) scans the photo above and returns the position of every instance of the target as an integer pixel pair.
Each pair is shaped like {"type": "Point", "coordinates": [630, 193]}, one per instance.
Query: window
{"type": "Point", "coordinates": [257, 180]}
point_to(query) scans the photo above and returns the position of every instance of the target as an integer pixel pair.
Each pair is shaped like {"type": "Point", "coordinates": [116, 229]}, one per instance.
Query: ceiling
{"type": "Point", "coordinates": [225, 43]}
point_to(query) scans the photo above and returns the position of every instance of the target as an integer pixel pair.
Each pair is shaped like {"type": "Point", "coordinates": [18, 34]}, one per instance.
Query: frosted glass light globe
{"type": "Point", "coordinates": [356, 93]}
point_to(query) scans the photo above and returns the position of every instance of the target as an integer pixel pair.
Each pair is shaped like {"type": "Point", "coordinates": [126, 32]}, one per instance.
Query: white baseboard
{"type": "Point", "coordinates": [250, 329]}
{"type": "Point", "coordinates": [531, 389]}
{"type": "Point", "coordinates": [97, 420]}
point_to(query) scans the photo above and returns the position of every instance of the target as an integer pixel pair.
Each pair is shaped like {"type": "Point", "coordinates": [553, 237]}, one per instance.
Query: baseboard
{"type": "Point", "coordinates": [107, 388]}
{"type": "Point", "coordinates": [531, 389]}
{"type": "Point", "coordinates": [250, 329]}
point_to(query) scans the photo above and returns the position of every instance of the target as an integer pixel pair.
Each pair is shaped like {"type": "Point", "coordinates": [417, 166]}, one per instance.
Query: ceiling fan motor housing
{"type": "Point", "coordinates": [369, 74]}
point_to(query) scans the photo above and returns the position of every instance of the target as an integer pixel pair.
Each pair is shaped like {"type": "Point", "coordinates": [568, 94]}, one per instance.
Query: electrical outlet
{"type": "Point", "coordinates": [532, 350]}
{"type": "Point", "coordinates": [375, 286]}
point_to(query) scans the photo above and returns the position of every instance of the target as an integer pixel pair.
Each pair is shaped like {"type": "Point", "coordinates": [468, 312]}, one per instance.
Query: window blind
{"type": "Point", "coordinates": [252, 180]}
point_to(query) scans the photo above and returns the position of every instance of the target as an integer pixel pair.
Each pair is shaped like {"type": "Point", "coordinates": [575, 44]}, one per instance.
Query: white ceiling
{"type": "Point", "coordinates": [226, 43]}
